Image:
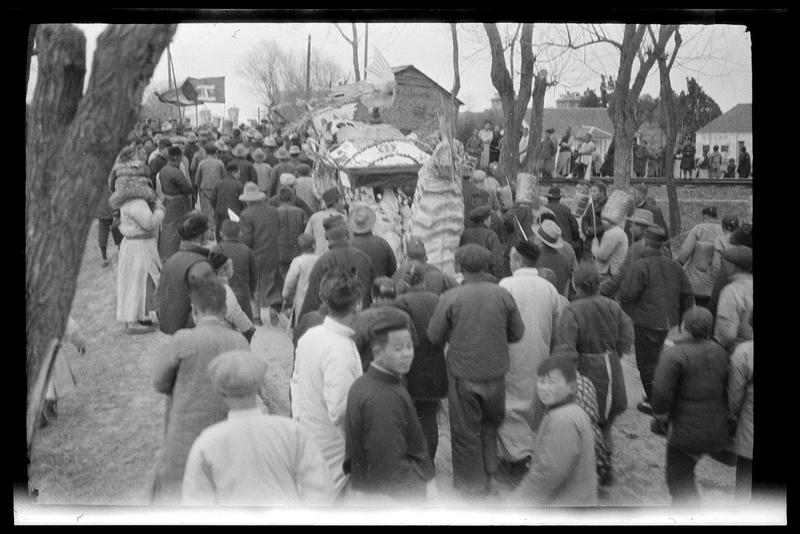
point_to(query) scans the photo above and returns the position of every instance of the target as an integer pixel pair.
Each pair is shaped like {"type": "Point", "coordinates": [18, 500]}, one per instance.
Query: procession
{"type": "Point", "coordinates": [343, 303]}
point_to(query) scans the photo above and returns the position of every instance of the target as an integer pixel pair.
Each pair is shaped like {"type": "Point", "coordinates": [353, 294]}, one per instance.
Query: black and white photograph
{"type": "Point", "coordinates": [314, 268]}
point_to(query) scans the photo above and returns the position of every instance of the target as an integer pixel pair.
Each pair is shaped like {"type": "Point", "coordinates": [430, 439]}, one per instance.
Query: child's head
{"type": "Point", "coordinates": [556, 378]}
{"type": "Point", "coordinates": [307, 243]}
{"type": "Point", "coordinates": [392, 345]}
{"type": "Point", "coordinates": [229, 229]}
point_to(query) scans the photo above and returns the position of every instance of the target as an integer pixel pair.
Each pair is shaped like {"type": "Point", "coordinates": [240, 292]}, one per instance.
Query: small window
{"type": "Point", "coordinates": [723, 148]}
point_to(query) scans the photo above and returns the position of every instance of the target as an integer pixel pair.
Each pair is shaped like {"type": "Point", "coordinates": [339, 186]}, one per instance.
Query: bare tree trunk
{"type": "Point", "coordinates": [355, 52]}
{"type": "Point", "coordinates": [670, 116]}
{"type": "Point", "coordinates": [72, 141]}
{"type": "Point", "coordinates": [537, 116]}
{"type": "Point", "coordinates": [456, 75]}
{"type": "Point", "coordinates": [513, 108]}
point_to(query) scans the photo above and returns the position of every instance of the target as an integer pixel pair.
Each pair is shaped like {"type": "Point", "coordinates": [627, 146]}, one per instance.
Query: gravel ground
{"type": "Point", "coordinates": [103, 446]}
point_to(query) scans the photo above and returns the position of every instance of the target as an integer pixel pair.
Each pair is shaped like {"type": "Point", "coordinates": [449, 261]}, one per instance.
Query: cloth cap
{"type": "Point", "coordinates": [528, 250]}
{"type": "Point", "coordinates": [287, 179]}
{"type": "Point", "coordinates": [586, 276]}
{"type": "Point", "coordinates": [655, 233]}
{"type": "Point", "coordinates": [472, 258]}
{"type": "Point", "coordinates": [282, 153]}
{"type": "Point", "coordinates": [240, 151]}
{"type": "Point", "coordinates": [388, 318]}
{"type": "Point", "coordinates": [362, 219]}
{"type": "Point", "coordinates": [642, 216]}
{"type": "Point", "coordinates": [415, 249]}
{"type": "Point", "coordinates": [229, 228]}
{"type": "Point", "coordinates": [480, 213]}
{"type": "Point", "coordinates": [740, 255]}
{"type": "Point", "coordinates": [550, 234]}
{"type": "Point", "coordinates": [294, 149]}
{"type": "Point", "coordinates": [554, 192]}
{"type": "Point", "coordinates": [331, 195]}
{"type": "Point", "coordinates": [251, 193]}
{"type": "Point", "coordinates": [550, 130]}
{"type": "Point", "coordinates": [333, 221]}
{"type": "Point", "coordinates": [237, 373]}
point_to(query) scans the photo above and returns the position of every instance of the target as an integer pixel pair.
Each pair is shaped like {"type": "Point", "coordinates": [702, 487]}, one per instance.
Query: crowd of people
{"type": "Point", "coordinates": [525, 341]}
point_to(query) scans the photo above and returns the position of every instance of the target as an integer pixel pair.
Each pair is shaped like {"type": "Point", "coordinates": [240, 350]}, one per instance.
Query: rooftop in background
{"type": "Point", "coordinates": [738, 119]}
{"type": "Point", "coordinates": [577, 118]}
{"type": "Point", "coordinates": [401, 68]}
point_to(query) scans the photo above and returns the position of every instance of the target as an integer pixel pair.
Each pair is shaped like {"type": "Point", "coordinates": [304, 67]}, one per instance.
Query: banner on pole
{"type": "Point", "coordinates": [195, 91]}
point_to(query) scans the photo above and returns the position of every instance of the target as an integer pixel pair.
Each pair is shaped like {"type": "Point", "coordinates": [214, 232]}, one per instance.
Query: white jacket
{"type": "Point", "coordinates": [326, 365]}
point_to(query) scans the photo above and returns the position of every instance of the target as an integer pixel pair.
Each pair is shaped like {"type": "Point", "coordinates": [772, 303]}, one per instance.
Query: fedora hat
{"type": "Point", "coordinates": [550, 234]}
{"type": "Point", "coordinates": [294, 149]}
{"type": "Point", "coordinates": [642, 216]}
{"type": "Point", "coordinates": [282, 154]}
{"type": "Point", "coordinates": [362, 219]}
{"type": "Point", "coordinates": [251, 193]}
{"type": "Point", "coordinates": [239, 151]}
{"type": "Point", "coordinates": [554, 193]}
{"type": "Point", "coordinates": [259, 155]}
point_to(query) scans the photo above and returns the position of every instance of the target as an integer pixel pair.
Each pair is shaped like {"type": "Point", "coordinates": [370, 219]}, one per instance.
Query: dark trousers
{"type": "Point", "coordinates": [103, 229]}
{"type": "Point", "coordinates": [648, 344]}
{"type": "Point", "coordinates": [476, 410]}
{"type": "Point", "coordinates": [680, 477]}
{"type": "Point", "coordinates": [426, 413]}
{"type": "Point", "coordinates": [744, 479]}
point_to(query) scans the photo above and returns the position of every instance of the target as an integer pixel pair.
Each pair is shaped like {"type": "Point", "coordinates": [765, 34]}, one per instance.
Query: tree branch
{"type": "Point", "coordinates": [678, 42]}
{"type": "Point", "coordinates": [346, 38]}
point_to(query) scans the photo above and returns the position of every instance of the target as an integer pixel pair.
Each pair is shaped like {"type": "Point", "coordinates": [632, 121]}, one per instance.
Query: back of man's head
{"type": "Point", "coordinates": [341, 292]}
{"type": "Point", "coordinates": [208, 297]}
{"type": "Point", "coordinates": [383, 288]}
{"type": "Point", "coordinates": [163, 143]}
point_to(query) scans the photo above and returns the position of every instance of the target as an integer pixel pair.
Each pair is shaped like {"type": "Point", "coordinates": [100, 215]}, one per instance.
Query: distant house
{"type": "Point", "coordinates": [582, 121]}
{"type": "Point", "coordinates": [731, 130]}
{"type": "Point", "coordinates": [416, 103]}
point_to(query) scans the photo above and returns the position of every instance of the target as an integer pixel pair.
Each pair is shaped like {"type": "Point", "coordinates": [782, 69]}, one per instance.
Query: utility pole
{"type": "Point", "coordinates": [308, 70]}
{"type": "Point", "coordinates": [366, 44]}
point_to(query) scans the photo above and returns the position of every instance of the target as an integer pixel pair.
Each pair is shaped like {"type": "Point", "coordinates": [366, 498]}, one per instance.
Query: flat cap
{"type": "Point", "coordinates": [473, 258]}
{"type": "Point", "coordinates": [480, 213]}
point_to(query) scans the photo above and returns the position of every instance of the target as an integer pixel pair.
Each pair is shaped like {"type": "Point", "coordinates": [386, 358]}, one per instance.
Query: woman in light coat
{"type": "Point", "coordinates": [700, 262]}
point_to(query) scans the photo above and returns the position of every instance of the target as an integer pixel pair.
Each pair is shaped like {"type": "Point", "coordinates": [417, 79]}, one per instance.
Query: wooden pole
{"type": "Point", "coordinates": [308, 70]}
{"type": "Point", "coordinates": [366, 44]}
{"type": "Point", "coordinates": [171, 69]}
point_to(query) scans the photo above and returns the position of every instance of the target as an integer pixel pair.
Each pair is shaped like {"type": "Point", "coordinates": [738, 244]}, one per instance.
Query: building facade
{"type": "Point", "coordinates": [730, 131]}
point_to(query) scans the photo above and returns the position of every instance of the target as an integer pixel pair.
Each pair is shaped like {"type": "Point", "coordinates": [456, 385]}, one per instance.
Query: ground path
{"type": "Point", "coordinates": [103, 446]}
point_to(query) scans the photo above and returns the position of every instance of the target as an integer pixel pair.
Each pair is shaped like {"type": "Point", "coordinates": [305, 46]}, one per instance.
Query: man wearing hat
{"type": "Point", "coordinates": [639, 222]}
{"type": "Point", "coordinates": [191, 147]}
{"type": "Point", "coordinates": [538, 302]}
{"type": "Point", "coordinates": [642, 201]}
{"type": "Point", "coordinates": [481, 181]}
{"type": "Point", "coordinates": [175, 190]}
{"type": "Point", "coordinates": [340, 255]}
{"type": "Point", "coordinates": [548, 238]}
{"type": "Point", "coordinates": [158, 159]}
{"type": "Point", "coordinates": [244, 281]}
{"type": "Point", "coordinates": [610, 250]}
{"type": "Point", "coordinates": [386, 452]}
{"type": "Point", "coordinates": [226, 195]}
{"type": "Point", "coordinates": [592, 223]}
{"type": "Point", "coordinates": [735, 306]}
{"type": "Point", "coordinates": [210, 171]}
{"type": "Point", "coordinates": [478, 319]}
{"type": "Point", "coordinates": [474, 196]}
{"type": "Point", "coordinates": [246, 171]}
{"type": "Point", "coordinates": [264, 172]}
{"type": "Point", "coordinates": [564, 219]}
{"type": "Point", "coordinates": [334, 205]}
{"type": "Point", "coordinates": [252, 458]}
{"type": "Point", "coordinates": [433, 279]}
{"type": "Point", "coordinates": [292, 222]}
{"type": "Point", "coordinates": [304, 187]}
{"type": "Point", "coordinates": [283, 166]}
{"type": "Point", "coordinates": [270, 146]}
{"type": "Point", "coordinates": [287, 180]}
{"type": "Point", "coordinates": [480, 234]}
{"type": "Point", "coordinates": [259, 223]}
{"type": "Point", "coordinates": [180, 371]}
{"type": "Point", "coordinates": [361, 221]}
{"type": "Point", "coordinates": [547, 153]}
{"type": "Point", "coordinates": [294, 155]}
{"type": "Point", "coordinates": [655, 293]}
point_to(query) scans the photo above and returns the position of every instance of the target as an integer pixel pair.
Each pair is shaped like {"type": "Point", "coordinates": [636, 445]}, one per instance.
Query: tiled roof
{"type": "Point", "coordinates": [577, 118]}
{"type": "Point", "coordinates": [738, 119]}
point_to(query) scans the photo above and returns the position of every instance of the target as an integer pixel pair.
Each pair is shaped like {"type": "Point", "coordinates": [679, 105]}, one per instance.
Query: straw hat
{"type": "Point", "coordinates": [362, 219]}
{"type": "Point", "coordinates": [240, 151]}
{"type": "Point", "coordinates": [251, 193]}
{"type": "Point", "coordinates": [550, 234]}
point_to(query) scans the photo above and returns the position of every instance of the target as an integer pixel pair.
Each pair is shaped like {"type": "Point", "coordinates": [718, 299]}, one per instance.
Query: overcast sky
{"type": "Point", "coordinates": [718, 56]}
